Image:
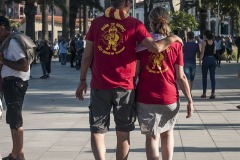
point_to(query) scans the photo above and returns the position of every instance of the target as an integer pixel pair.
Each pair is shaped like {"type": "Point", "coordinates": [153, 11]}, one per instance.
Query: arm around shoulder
{"type": "Point", "coordinates": [160, 45]}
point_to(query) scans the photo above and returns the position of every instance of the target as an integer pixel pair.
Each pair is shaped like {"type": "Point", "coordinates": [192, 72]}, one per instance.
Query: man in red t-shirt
{"type": "Point", "coordinates": [111, 43]}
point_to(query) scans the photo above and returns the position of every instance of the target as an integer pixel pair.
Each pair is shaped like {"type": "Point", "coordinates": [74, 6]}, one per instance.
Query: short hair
{"type": "Point", "coordinates": [5, 22]}
{"type": "Point", "coordinates": [45, 42]}
{"type": "Point", "coordinates": [117, 3]}
{"type": "Point", "coordinates": [208, 34]}
{"type": "Point", "coordinates": [190, 35]}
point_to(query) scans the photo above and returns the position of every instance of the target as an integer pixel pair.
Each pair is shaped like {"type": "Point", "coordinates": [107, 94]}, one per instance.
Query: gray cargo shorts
{"type": "Point", "coordinates": [119, 100]}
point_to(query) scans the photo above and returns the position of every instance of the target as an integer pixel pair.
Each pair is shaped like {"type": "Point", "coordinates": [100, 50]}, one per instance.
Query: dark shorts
{"type": "Point", "coordinates": [14, 92]}
{"type": "Point", "coordinates": [101, 104]}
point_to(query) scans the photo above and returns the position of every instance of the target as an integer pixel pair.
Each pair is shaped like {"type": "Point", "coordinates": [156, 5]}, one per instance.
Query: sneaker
{"type": "Point", "coordinates": [212, 96]}
{"type": "Point", "coordinates": [203, 96]}
{"type": "Point", "coordinates": [43, 77]}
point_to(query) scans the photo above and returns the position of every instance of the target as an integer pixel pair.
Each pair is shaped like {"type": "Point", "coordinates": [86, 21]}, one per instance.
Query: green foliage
{"type": "Point", "coordinates": [181, 21]}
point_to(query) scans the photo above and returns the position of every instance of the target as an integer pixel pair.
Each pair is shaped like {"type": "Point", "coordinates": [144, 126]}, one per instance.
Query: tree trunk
{"type": "Point", "coordinates": [2, 8]}
{"type": "Point", "coordinates": [238, 22]}
{"type": "Point", "coordinates": [148, 6]}
{"type": "Point", "coordinates": [85, 19]}
{"type": "Point", "coordinates": [202, 19]}
{"type": "Point", "coordinates": [72, 16]}
{"type": "Point", "coordinates": [30, 11]}
{"type": "Point", "coordinates": [44, 20]}
{"type": "Point", "coordinates": [65, 24]}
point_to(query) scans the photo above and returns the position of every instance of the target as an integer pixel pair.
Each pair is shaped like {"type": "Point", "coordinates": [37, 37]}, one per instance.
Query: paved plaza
{"type": "Point", "coordinates": [56, 123]}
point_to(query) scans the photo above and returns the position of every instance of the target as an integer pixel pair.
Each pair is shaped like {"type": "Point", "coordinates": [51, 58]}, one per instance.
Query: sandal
{"type": "Point", "coordinates": [9, 157]}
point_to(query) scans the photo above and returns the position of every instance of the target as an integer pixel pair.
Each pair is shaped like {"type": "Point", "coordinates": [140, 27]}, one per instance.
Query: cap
{"type": "Point", "coordinates": [4, 21]}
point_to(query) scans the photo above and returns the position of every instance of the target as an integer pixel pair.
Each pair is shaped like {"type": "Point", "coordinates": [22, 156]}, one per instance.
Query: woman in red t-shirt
{"type": "Point", "coordinates": [157, 92]}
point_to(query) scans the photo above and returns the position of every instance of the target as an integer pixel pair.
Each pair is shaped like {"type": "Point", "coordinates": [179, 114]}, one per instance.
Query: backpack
{"type": "Point", "coordinates": [25, 42]}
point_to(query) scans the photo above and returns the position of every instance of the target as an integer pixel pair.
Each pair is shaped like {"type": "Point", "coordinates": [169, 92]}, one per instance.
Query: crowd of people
{"type": "Point", "coordinates": [210, 50]}
{"type": "Point", "coordinates": [60, 49]}
{"type": "Point", "coordinates": [134, 73]}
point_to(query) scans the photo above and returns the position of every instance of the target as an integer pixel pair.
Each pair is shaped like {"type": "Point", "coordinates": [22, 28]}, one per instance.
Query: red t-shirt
{"type": "Point", "coordinates": [114, 61]}
{"type": "Point", "coordinates": [157, 78]}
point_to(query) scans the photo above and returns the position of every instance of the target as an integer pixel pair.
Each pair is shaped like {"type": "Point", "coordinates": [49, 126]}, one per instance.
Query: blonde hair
{"type": "Point", "coordinates": [158, 18]}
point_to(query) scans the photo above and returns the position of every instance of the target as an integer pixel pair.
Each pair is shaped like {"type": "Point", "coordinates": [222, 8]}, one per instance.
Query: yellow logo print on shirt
{"type": "Point", "coordinates": [157, 64]}
{"type": "Point", "coordinates": [112, 38]}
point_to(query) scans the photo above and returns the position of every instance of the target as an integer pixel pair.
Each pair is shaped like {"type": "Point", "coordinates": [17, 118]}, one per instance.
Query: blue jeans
{"type": "Point", "coordinates": [189, 70]}
{"type": "Point", "coordinates": [63, 58]}
{"type": "Point", "coordinates": [208, 63]}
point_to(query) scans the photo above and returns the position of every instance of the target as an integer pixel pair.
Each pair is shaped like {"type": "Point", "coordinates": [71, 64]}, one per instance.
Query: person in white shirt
{"type": "Point", "coordinates": [15, 73]}
{"type": "Point", "coordinates": [63, 46]}
{"type": "Point", "coordinates": [219, 51]}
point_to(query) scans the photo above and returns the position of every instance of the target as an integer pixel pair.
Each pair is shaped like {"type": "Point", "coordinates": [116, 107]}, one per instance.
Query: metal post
{"type": "Point", "coordinates": [52, 24]}
{"type": "Point", "coordinates": [133, 8]}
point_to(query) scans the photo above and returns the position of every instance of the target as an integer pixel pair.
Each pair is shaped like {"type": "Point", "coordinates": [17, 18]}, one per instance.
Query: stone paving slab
{"type": "Point", "coordinates": [56, 123]}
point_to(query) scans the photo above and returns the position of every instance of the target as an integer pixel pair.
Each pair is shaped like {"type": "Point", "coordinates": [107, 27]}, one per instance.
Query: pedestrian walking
{"type": "Point", "coordinates": [111, 42]}
{"type": "Point", "coordinates": [15, 73]}
{"type": "Point", "coordinates": [44, 54]}
{"type": "Point", "coordinates": [73, 51]}
{"type": "Point", "coordinates": [55, 49]}
{"type": "Point", "coordinates": [49, 63]}
{"type": "Point", "coordinates": [208, 62]}
{"type": "Point", "coordinates": [190, 51]}
{"type": "Point", "coordinates": [63, 47]}
{"type": "Point", "coordinates": [157, 93]}
{"type": "Point", "coordinates": [228, 45]}
{"type": "Point", "coordinates": [219, 50]}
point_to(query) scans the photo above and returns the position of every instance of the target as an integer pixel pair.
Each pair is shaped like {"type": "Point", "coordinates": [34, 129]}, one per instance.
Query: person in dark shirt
{"type": "Point", "coordinates": [73, 51]}
{"type": "Point", "coordinates": [190, 50]}
{"type": "Point", "coordinates": [44, 54]}
{"type": "Point", "coordinates": [208, 62]}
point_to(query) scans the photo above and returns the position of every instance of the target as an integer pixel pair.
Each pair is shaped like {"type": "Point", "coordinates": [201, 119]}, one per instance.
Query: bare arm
{"type": "Point", "coordinates": [160, 45]}
{"type": "Point", "coordinates": [183, 84]}
{"type": "Point", "coordinates": [137, 70]}
{"type": "Point", "coordinates": [20, 65]}
{"type": "Point", "coordinates": [85, 64]}
{"type": "Point", "coordinates": [202, 52]}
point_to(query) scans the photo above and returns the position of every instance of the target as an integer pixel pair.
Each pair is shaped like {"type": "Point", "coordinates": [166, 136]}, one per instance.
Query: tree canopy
{"type": "Point", "coordinates": [181, 21]}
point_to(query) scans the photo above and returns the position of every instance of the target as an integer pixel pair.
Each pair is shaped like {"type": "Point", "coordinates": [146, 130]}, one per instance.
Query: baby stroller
{"type": "Point", "coordinates": [78, 59]}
